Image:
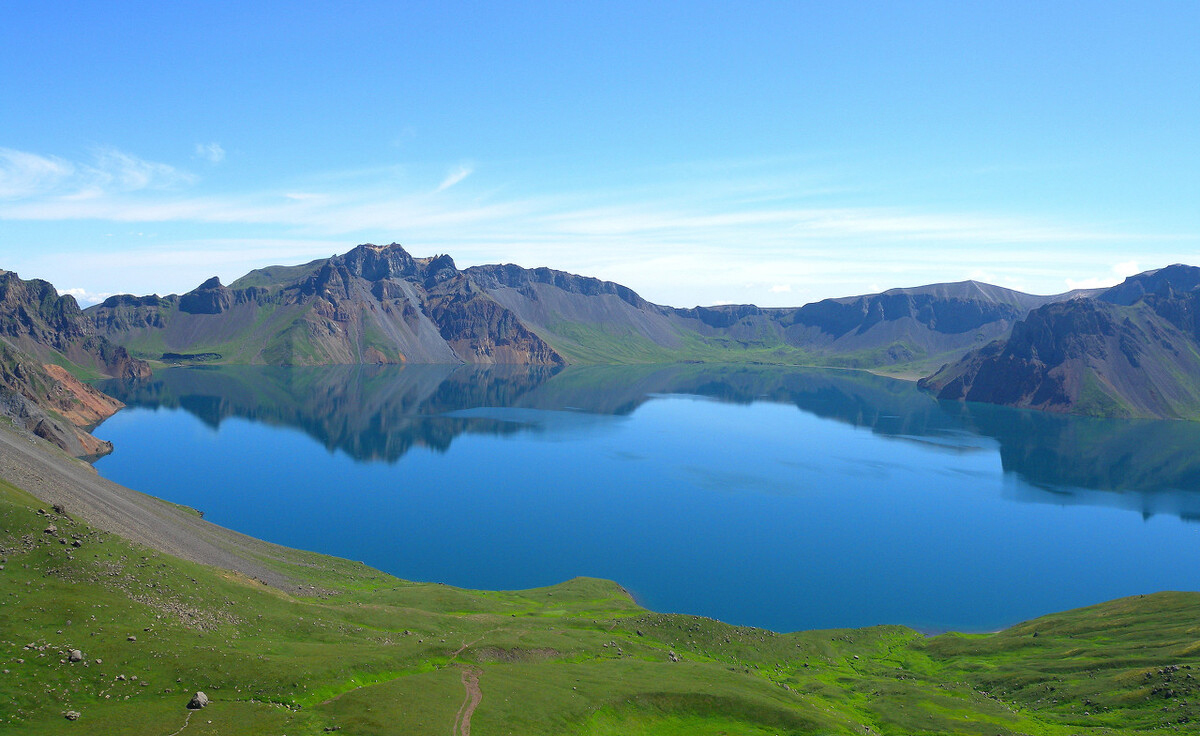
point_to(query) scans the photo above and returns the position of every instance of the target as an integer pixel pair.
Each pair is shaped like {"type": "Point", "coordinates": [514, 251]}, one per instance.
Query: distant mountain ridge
{"type": "Point", "coordinates": [378, 304]}
{"type": "Point", "coordinates": [1130, 351]}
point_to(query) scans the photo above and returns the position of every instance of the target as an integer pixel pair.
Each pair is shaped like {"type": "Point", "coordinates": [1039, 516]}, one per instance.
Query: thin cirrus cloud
{"type": "Point", "coordinates": [30, 177]}
{"type": "Point", "coordinates": [454, 177]}
{"type": "Point", "coordinates": [120, 187]}
{"type": "Point", "coordinates": [1120, 272]}
{"type": "Point", "coordinates": [211, 152]}
{"type": "Point", "coordinates": [706, 233]}
{"type": "Point", "coordinates": [24, 174]}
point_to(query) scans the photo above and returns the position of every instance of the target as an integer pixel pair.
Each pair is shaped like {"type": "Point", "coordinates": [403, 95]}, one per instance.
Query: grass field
{"type": "Point", "coordinates": [367, 653]}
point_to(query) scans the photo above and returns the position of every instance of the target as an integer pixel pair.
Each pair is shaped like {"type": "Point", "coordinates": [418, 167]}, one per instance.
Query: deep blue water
{"type": "Point", "coordinates": [784, 498]}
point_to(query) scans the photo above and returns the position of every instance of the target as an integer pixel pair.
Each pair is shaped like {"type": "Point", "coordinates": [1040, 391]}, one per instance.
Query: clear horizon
{"type": "Point", "coordinates": [774, 154]}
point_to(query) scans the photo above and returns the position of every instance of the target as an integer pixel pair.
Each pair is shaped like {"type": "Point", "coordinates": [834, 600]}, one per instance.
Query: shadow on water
{"type": "Point", "coordinates": [378, 413]}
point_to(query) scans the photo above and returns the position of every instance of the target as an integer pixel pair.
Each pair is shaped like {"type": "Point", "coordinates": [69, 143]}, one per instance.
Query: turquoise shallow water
{"type": "Point", "coordinates": [784, 498]}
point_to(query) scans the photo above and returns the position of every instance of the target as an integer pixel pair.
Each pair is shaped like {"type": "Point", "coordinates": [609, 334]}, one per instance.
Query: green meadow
{"type": "Point", "coordinates": [365, 653]}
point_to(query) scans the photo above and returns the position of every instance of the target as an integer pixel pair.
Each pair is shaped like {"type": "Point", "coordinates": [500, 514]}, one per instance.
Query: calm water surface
{"type": "Point", "coordinates": [784, 498]}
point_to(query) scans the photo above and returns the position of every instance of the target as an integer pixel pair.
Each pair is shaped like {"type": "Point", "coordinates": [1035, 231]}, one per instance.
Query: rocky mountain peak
{"type": "Point", "coordinates": [438, 269]}
{"type": "Point", "coordinates": [208, 298]}
{"type": "Point", "coordinates": [1179, 278]}
{"type": "Point", "coordinates": [377, 262]}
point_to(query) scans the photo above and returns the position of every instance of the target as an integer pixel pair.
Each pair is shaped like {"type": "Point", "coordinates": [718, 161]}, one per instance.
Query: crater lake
{"type": "Point", "coordinates": [785, 498]}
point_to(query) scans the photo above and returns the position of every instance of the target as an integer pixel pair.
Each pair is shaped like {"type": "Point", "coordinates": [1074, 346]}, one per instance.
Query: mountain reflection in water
{"type": "Point", "coordinates": [379, 413]}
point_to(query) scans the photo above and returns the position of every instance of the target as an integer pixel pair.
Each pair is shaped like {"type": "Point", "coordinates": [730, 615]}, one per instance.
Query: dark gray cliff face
{"type": "Point", "coordinates": [515, 277]}
{"type": "Point", "coordinates": [34, 309]}
{"type": "Point", "coordinates": [1021, 369]}
{"type": "Point", "coordinates": [1181, 310]}
{"type": "Point", "coordinates": [952, 315]}
{"type": "Point", "coordinates": [209, 298]}
{"type": "Point", "coordinates": [474, 323]}
{"type": "Point", "coordinates": [1059, 332]}
{"type": "Point", "coordinates": [375, 263]}
{"type": "Point", "coordinates": [1178, 278]}
{"type": "Point", "coordinates": [1106, 355]}
{"type": "Point", "coordinates": [725, 316]}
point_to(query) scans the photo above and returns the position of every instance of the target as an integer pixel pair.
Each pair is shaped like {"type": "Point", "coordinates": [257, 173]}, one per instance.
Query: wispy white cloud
{"type": "Point", "coordinates": [128, 173]}
{"type": "Point", "coordinates": [30, 177]}
{"type": "Point", "coordinates": [1125, 269]}
{"type": "Point", "coordinates": [169, 266]}
{"type": "Point", "coordinates": [462, 171]}
{"type": "Point", "coordinates": [86, 298]}
{"type": "Point", "coordinates": [675, 241]}
{"type": "Point", "coordinates": [1119, 272]}
{"type": "Point", "coordinates": [24, 174]}
{"type": "Point", "coordinates": [211, 152]}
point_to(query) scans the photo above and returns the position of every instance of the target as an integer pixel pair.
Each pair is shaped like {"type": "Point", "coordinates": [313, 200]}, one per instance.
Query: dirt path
{"type": "Point", "coordinates": [462, 719]}
{"type": "Point", "coordinates": [466, 644]}
{"type": "Point", "coordinates": [186, 721]}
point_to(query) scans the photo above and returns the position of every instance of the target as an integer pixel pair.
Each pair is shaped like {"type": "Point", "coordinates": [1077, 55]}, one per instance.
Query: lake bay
{"type": "Point", "coordinates": [776, 497]}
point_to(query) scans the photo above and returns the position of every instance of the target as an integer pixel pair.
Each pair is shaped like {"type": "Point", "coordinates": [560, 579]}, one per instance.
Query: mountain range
{"type": "Point", "coordinates": [378, 304]}
{"type": "Point", "coordinates": [1132, 350]}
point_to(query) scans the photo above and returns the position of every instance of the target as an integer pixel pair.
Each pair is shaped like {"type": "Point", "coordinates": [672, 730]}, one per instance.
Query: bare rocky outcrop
{"type": "Point", "coordinates": [1131, 351]}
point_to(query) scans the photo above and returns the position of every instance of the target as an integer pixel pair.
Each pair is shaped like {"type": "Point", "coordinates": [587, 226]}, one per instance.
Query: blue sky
{"type": "Point", "coordinates": [774, 153]}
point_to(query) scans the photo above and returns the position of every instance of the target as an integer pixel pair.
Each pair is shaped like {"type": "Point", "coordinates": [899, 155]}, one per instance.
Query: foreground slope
{"type": "Point", "coordinates": [1131, 351]}
{"type": "Point", "coordinates": [378, 304]}
{"type": "Point", "coordinates": [366, 653]}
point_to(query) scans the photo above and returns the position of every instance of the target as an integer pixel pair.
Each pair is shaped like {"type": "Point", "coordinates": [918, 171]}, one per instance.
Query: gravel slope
{"type": "Point", "coordinates": [44, 471]}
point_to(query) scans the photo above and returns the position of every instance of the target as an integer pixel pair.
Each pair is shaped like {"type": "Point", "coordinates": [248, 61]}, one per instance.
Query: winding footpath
{"type": "Point", "coordinates": [462, 719]}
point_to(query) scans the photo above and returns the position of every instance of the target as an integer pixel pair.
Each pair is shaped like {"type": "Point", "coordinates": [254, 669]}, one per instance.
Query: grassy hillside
{"type": "Point", "coordinates": [366, 653]}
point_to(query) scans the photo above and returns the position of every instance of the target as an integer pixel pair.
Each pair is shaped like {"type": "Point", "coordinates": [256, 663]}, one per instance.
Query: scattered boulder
{"type": "Point", "coordinates": [75, 655]}
{"type": "Point", "coordinates": [50, 530]}
{"type": "Point", "coordinates": [59, 508]}
{"type": "Point", "coordinates": [671, 655]}
{"type": "Point", "coordinates": [133, 638]}
{"type": "Point", "coordinates": [198, 701]}
{"type": "Point", "coordinates": [72, 715]}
